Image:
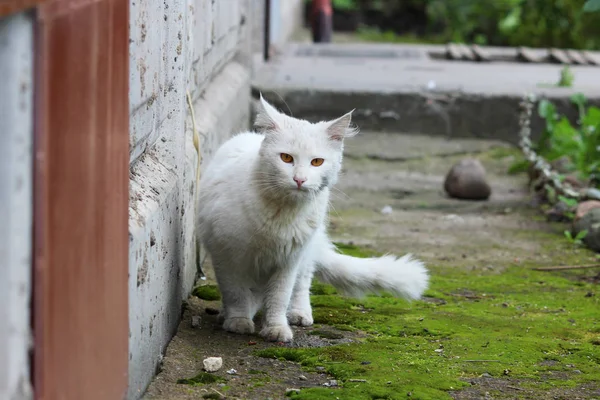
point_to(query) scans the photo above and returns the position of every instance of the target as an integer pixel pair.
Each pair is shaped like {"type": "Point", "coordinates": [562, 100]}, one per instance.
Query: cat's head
{"type": "Point", "coordinates": [299, 158]}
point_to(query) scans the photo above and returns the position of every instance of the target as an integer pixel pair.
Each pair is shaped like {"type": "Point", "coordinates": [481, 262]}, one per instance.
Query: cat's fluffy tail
{"type": "Point", "coordinates": [404, 277]}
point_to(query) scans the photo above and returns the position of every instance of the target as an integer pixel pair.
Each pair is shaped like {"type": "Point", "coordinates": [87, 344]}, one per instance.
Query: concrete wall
{"type": "Point", "coordinates": [16, 136]}
{"type": "Point", "coordinates": [200, 47]}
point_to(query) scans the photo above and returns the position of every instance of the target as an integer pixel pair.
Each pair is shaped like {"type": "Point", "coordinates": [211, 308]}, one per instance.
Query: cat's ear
{"type": "Point", "coordinates": [268, 118]}
{"type": "Point", "coordinates": [340, 128]}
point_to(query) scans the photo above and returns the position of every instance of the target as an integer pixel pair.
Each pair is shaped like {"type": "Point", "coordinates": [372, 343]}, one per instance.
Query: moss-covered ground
{"type": "Point", "coordinates": [489, 326]}
{"type": "Point", "coordinates": [533, 328]}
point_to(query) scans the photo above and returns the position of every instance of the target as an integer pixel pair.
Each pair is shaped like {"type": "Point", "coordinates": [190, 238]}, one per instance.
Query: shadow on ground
{"type": "Point", "coordinates": [489, 326]}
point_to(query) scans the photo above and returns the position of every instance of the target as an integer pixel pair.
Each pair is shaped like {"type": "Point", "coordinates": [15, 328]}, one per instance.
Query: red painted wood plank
{"type": "Point", "coordinates": [81, 323]}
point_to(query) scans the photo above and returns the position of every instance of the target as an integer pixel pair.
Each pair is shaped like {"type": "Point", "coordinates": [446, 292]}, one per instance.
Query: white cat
{"type": "Point", "coordinates": [263, 207]}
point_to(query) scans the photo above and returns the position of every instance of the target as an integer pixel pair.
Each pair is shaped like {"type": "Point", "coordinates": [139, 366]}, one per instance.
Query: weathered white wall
{"type": "Point", "coordinates": [204, 48]}
{"type": "Point", "coordinates": [286, 17]}
{"type": "Point", "coordinates": [200, 47]}
{"type": "Point", "coordinates": [16, 136]}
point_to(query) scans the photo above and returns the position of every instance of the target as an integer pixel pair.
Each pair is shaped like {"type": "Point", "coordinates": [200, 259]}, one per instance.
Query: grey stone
{"type": "Point", "coordinates": [590, 222]}
{"type": "Point", "coordinates": [466, 180]}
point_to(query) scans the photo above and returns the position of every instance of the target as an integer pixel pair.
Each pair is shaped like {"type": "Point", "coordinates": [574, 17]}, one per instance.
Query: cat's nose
{"type": "Point", "coordinates": [299, 181]}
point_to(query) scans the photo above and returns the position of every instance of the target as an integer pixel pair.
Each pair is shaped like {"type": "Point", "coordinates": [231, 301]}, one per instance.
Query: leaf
{"type": "Point", "coordinates": [579, 99]}
{"type": "Point", "coordinates": [546, 109]}
{"type": "Point", "coordinates": [591, 6]}
{"type": "Point", "coordinates": [511, 21]}
{"type": "Point", "coordinates": [581, 235]}
{"type": "Point", "coordinates": [567, 201]}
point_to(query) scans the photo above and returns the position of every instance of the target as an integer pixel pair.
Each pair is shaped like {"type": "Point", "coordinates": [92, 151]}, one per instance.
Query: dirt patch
{"type": "Point", "coordinates": [255, 377]}
{"type": "Point", "coordinates": [497, 388]}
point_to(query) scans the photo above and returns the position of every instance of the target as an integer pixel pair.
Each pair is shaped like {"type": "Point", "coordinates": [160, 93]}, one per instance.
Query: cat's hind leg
{"type": "Point", "coordinates": [299, 311]}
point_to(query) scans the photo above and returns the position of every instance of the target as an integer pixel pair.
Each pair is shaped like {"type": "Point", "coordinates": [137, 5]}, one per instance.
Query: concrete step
{"type": "Point", "coordinates": [413, 88]}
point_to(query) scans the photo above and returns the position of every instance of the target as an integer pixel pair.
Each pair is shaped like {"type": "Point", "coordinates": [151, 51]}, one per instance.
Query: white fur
{"type": "Point", "coordinates": [267, 237]}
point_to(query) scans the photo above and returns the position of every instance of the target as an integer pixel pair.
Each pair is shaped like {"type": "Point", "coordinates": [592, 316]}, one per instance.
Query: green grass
{"type": "Point", "coordinates": [207, 292]}
{"type": "Point", "coordinates": [201, 379]}
{"type": "Point", "coordinates": [516, 321]}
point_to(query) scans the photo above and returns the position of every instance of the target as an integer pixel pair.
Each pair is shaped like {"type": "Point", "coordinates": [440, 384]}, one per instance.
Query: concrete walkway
{"type": "Point", "coordinates": [411, 88]}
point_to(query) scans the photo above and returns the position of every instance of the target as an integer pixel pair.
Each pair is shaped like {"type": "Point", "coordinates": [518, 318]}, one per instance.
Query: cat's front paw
{"type": "Point", "coordinates": [300, 317]}
{"type": "Point", "coordinates": [277, 333]}
{"type": "Point", "coordinates": [238, 325]}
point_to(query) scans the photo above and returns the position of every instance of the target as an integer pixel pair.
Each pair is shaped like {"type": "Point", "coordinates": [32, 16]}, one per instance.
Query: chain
{"type": "Point", "coordinates": [547, 174]}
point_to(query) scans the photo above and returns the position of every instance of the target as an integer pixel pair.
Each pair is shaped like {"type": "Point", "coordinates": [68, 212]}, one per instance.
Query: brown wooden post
{"type": "Point", "coordinates": [81, 200]}
{"type": "Point", "coordinates": [322, 21]}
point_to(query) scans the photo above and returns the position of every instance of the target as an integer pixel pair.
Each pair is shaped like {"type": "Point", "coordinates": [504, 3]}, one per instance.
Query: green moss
{"type": "Point", "coordinates": [256, 372]}
{"type": "Point", "coordinates": [201, 379]}
{"type": "Point", "coordinates": [207, 292]}
{"type": "Point", "coordinates": [540, 326]}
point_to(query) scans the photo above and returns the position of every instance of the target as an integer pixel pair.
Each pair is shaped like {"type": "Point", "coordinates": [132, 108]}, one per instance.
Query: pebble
{"type": "Point", "coordinates": [302, 378]}
{"type": "Point", "coordinates": [466, 180]}
{"type": "Point", "coordinates": [196, 319]}
{"type": "Point", "coordinates": [212, 364]}
{"type": "Point", "coordinates": [590, 222]}
{"type": "Point", "coordinates": [232, 371]}
{"type": "Point", "coordinates": [592, 193]}
{"type": "Point", "coordinates": [331, 383]}
{"type": "Point", "coordinates": [585, 206]}
{"type": "Point", "coordinates": [320, 368]}
{"type": "Point", "coordinates": [289, 391]}
{"type": "Point", "coordinates": [386, 210]}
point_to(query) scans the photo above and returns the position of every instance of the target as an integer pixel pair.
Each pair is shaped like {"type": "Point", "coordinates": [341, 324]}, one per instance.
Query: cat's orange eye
{"type": "Point", "coordinates": [317, 162]}
{"type": "Point", "coordinates": [286, 158]}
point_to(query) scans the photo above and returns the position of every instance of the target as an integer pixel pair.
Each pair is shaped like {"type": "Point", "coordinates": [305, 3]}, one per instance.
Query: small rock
{"type": "Point", "coordinates": [590, 222]}
{"type": "Point", "coordinates": [575, 182]}
{"type": "Point", "coordinates": [576, 371]}
{"type": "Point", "coordinates": [558, 213]}
{"type": "Point", "coordinates": [232, 371]}
{"type": "Point", "coordinates": [320, 368]}
{"type": "Point", "coordinates": [592, 193]}
{"type": "Point", "coordinates": [584, 207]}
{"type": "Point", "coordinates": [386, 210]}
{"type": "Point", "coordinates": [196, 321]}
{"type": "Point", "coordinates": [466, 180]}
{"type": "Point", "coordinates": [486, 375]}
{"type": "Point", "coordinates": [289, 391]}
{"type": "Point", "coordinates": [302, 378]}
{"type": "Point", "coordinates": [212, 364]}
{"type": "Point", "coordinates": [333, 383]}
